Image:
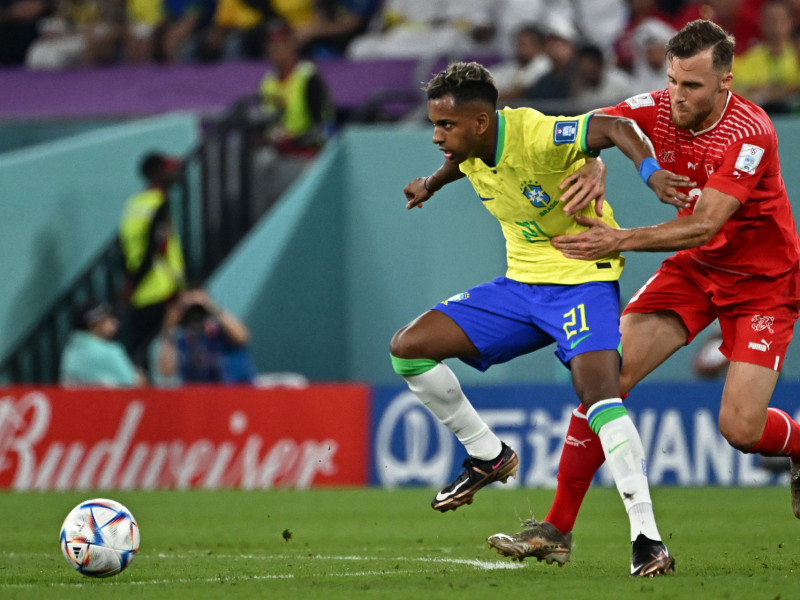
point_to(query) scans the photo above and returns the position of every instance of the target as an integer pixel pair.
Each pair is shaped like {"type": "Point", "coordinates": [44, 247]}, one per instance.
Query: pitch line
{"type": "Point", "coordinates": [478, 564]}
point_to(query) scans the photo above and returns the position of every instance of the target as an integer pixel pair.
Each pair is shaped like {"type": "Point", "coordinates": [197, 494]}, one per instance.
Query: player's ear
{"type": "Point", "coordinates": [726, 81]}
{"type": "Point", "coordinates": [482, 121]}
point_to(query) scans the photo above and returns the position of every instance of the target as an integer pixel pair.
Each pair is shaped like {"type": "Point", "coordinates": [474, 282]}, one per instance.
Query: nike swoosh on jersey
{"type": "Point", "coordinates": [485, 199]}
{"type": "Point", "coordinates": [578, 341]}
{"type": "Point", "coordinates": [440, 497]}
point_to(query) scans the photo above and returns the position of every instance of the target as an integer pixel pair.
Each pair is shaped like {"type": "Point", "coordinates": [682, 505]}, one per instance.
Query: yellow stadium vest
{"type": "Point", "coordinates": [288, 98]}
{"type": "Point", "coordinates": [167, 273]}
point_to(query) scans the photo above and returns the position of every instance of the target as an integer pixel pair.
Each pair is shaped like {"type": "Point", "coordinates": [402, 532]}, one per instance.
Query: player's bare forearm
{"type": "Point", "coordinates": [605, 130]}
{"type": "Point", "coordinates": [421, 189]}
{"type": "Point", "coordinates": [691, 231]}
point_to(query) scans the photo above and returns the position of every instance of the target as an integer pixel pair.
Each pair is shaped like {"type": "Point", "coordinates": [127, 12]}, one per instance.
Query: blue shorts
{"type": "Point", "coordinates": [505, 319]}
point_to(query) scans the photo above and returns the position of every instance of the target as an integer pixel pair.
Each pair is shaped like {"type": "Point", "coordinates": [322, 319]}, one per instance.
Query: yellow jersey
{"type": "Point", "coordinates": [534, 154]}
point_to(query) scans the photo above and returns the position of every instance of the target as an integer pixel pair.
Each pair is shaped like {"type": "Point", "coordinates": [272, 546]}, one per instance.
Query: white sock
{"type": "Point", "coordinates": [439, 390]}
{"type": "Point", "coordinates": [624, 453]}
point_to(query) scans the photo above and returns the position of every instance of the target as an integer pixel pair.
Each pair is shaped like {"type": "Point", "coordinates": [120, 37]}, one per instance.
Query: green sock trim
{"type": "Point", "coordinates": [412, 366]}
{"type": "Point", "coordinates": [606, 415]}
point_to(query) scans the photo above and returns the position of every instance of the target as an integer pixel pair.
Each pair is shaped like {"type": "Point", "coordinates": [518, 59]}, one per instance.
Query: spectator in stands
{"type": "Point", "coordinates": [79, 32]}
{"type": "Point", "coordinates": [19, 27]}
{"type": "Point", "coordinates": [414, 29]}
{"type": "Point", "coordinates": [91, 356]}
{"type": "Point", "coordinates": [598, 22]}
{"type": "Point", "coordinates": [739, 17]}
{"type": "Point", "coordinates": [201, 342]}
{"type": "Point", "coordinates": [166, 30]}
{"type": "Point", "coordinates": [236, 30]}
{"type": "Point", "coordinates": [335, 23]}
{"type": "Point", "coordinates": [529, 63]}
{"type": "Point", "coordinates": [184, 20]}
{"type": "Point", "coordinates": [650, 39]}
{"type": "Point", "coordinates": [560, 47]}
{"type": "Point", "coordinates": [154, 262]}
{"type": "Point", "coordinates": [598, 82]}
{"type": "Point", "coordinates": [143, 18]}
{"type": "Point", "coordinates": [509, 16]}
{"type": "Point", "coordinates": [294, 93]}
{"type": "Point", "coordinates": [627, 48]}
{"type": "Point", "coordinates": [296, 13]}
{"type": "Point", "coordinates": [769, 72]}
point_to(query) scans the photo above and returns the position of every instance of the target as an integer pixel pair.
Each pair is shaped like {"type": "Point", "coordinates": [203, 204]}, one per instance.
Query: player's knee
{"type": "Point", "coordinates": [738, 434]}
{"type": "Point", "coordinates": [400, 345]}
{"type": "Point", "coordinates": [409, 343]}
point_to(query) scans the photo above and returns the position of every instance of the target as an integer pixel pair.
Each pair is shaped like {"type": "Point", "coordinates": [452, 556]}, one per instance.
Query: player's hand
{"type": "Point", "coordinates": [416, 193]}
{"type": "Point", "coordinates": [596, 242]}
{"type": "Point", "coordinates": [666, 183]}
{"type": "Point", "coordinates": [584, 185]}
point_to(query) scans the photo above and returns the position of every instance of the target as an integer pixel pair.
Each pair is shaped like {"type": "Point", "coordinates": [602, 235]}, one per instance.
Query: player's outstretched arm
{"type": "Point", "coordinates": [713, 208]}
{"type": "Point", "coordinates": [605, 131]}
{"type": "Point", "coordinates": [421, 189]}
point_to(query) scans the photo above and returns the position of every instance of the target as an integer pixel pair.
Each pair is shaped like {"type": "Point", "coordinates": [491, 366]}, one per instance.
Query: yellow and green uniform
{"type": "Point", "coordinates": [534, 154]}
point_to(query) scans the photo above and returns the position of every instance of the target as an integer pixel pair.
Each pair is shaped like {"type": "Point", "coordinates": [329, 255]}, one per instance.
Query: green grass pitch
{"type": "Point", "coordinates": [374, 543]}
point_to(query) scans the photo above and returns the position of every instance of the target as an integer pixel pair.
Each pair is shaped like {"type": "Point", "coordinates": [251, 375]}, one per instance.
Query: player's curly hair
{"type": "Point", "coordinates": [466, 81]}
{"type": "Point", "coordinates": [699, 35]}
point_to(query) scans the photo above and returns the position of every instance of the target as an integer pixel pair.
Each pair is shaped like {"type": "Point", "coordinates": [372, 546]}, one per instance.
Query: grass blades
{"type": "Point", "coordinates": [374, 543]}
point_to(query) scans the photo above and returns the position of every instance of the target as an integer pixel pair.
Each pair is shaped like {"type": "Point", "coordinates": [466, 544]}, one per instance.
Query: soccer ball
{"type": "Point", "coordinates": [99, 538]}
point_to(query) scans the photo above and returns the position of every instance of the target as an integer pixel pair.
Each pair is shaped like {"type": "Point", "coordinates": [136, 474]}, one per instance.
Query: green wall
{"type": "Point", "coordinates": [15, 135]}
{"type": "Point", "coordinates": [59, 206]}
{"type": "Point", "coordinates": [327, 278]}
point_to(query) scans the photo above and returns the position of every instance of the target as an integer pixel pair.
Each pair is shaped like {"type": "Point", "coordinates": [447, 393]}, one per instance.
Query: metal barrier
{"type": "Point", "coordinates": [219, 197]}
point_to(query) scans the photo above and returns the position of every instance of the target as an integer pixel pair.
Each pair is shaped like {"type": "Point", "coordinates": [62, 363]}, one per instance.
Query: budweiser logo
{"type": "Point", "coordinates": [42, 448]}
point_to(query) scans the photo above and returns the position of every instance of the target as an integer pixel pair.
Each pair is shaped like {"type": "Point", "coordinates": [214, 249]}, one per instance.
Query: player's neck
{"type": "Point", "coordinates": [488, 150]}
{"type": "Point", "coordinates": [714, 117]}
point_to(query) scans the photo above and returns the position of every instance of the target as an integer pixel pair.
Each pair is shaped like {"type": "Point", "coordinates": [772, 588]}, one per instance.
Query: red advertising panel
{"type": "Point", "coordinates": [192, 437]}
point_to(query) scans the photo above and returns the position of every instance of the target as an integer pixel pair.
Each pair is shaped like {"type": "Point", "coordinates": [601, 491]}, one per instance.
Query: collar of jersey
{"type": "Point", "coordinates": [722, 114]}
{"type": "Point", "coordinates": [501, 138]}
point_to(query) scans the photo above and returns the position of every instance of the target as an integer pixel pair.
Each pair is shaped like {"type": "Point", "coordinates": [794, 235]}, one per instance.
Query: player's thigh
{"type": "Point", "coordinates": [648, 339]}
{"type": "Point", "coordinates": [500, 318]}
{"type": "Point", "coordinates": [745, 398]}
{"type": "Point", "coordinates": [432, 335]}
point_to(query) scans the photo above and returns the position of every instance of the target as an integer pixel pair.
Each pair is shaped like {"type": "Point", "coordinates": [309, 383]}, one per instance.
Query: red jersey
{"type": "Point", "coordinates": [739, 157]}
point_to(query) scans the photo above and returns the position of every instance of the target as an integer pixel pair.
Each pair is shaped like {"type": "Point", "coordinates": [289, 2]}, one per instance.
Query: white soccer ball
{"type": "Point", "coordinates": [99, 538]}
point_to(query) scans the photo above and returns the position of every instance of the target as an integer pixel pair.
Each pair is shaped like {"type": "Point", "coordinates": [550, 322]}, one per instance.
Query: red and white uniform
{"type": "Point", "coordinates": [748, 274]}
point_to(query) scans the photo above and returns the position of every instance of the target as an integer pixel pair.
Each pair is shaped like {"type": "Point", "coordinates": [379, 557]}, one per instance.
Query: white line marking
{"type": "Point", "coordinates": [478, 564]}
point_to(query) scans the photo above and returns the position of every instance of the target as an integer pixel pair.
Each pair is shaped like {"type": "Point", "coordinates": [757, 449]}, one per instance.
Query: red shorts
{"type": "Point", "coordinates": [756, 314]}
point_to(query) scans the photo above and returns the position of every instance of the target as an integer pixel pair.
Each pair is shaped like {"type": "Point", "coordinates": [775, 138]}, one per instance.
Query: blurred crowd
{"type": "Point", "coordinates": [593, 52]}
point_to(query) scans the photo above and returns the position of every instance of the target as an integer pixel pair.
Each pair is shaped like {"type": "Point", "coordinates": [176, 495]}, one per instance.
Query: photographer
{"type": "Point", "coordinates": [200, 342]}
{"type": "Point", "coordinates": [92, 356]}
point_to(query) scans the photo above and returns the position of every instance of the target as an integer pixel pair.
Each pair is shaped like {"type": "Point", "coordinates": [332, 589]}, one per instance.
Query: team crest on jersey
{"type": "Point", "coordinates": [534, 192]}
{"type": "Point", "coordinates": [640, 100]}
{"type": "Point", "coordinates": [565, 132]}
{"type": "Point", "coordinates": [760, 323]}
